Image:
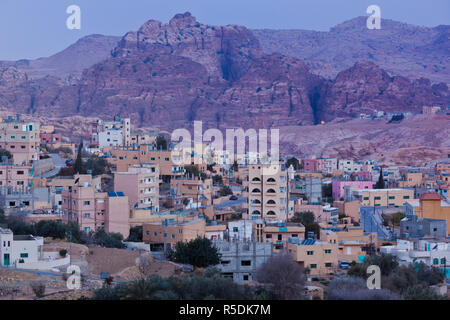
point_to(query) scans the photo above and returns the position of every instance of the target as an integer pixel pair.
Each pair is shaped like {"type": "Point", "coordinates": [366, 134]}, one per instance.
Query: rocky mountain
{"type": "Point", "coordinates": [399, 48]}
{"type": "Point", "coordinates": [84, 53]}
{"type": "Point", "coordinates": [167, 75]}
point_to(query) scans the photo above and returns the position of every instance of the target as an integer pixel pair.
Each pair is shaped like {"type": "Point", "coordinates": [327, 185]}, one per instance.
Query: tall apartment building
{"type": "Point", "coordinates": [267, 192]}
{"type": "Point", "coordinates": [21, 139]}
{"type": "Point", "coordinates": [141, 185]}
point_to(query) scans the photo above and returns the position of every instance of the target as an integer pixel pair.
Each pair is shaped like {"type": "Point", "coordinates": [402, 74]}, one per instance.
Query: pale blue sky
{"type": "Point", "coordinates": [37, 28]}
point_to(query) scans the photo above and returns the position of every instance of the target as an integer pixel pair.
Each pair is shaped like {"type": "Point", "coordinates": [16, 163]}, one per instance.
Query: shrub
{"type": "Point", "coordinates": [62, 252]}
{"type": "Point", "coordinates": [38, 288]}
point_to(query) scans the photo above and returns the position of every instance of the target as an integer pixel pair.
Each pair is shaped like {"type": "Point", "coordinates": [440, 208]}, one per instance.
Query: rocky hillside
{"type": "Point", "coordinates": [399, 48]}
{"type": "Point", "coordinates": [71, 61]}
{"type": "Point", "coordinates": [167, 75]}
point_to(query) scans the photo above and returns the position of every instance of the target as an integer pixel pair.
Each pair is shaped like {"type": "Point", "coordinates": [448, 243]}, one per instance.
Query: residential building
{"type": "Point", "coordinates": [141, 185]}
{"type": "Point", "coordinates": [200, 191]}
{"type": "Point", "coordinates": [171, 231]}
{"type": "Point", "coordinates": [277, 233]}
{"type": "Point", "coordinates": [414, 227]}
{"type": "Point", "coordinates": [241, 259]}
{"type": "Point", "coordinates": [267, 192]}
{"type": "Point", "coordinates": [338, 187]}
{"type": "Point", "coordinates": [385, 197]}
{"type": "Point", "coordinates": [318, 257]}
{"type": "Point", "coordinates": [21, 139]}
{"type": "Point", "coordinates": [93, 209]}
{"type": "Point", "coordinates": [431, 252]}
{"type": "Point", "coordinates": [14, 175]}
{"type": "Point", "coordinates": [432, 205]}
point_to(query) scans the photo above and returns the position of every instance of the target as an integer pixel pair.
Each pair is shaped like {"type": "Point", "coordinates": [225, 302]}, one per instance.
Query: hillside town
{"type": "Point", "coordinates": [118, 205]}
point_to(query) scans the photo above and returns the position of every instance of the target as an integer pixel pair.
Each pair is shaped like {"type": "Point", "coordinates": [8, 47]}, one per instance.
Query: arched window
{"type": "Point", "coordinates": [270, 213]}
{"type": "Point", "coordinates": [271, 191]}
{"type": "Point", "coordinates": [271, 180]}
{"type": "Point", "coordinates": [256, 179]}
{"type": "Point", "coordinates": [256, 190]}
{"type": "Point", "coordinates": [271, 202]}
{"type": "Point", "coordinates": [256, 212]}
{"type": "Point", "coordinates": [256, 201]}
{"type": "Point", "coordinates": [435, 261]}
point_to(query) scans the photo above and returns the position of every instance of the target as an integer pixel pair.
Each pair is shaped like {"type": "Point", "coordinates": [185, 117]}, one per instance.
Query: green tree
{"type": "Point", "coordinates": [199, 252]}
{"type": "Point", "coordinates": [294, 162]}
{"type": "Point", "coordinates": [97, 165]}
{"type": "Point", "coordinates": [5, 153]}
{"type": "Point", "coordinates": [307, 219]}
{"type": "Point", "coordinates": [78, 166]}
{"type": "Point", "coordinates": [380, 182]}
{"type": "Point", "coordinates": [225, 191]}
{"type": "Point", "coordinates": [135, 234]}
{"type": "Point", "coordinates": [217, 180]}
{"type": "Point", "coordinates": [161, 143]}
{"type": "Point", "coordinates": [421, 292]}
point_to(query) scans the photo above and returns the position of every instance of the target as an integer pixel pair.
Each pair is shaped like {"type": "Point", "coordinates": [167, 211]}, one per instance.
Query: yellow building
{"type": "Point", "coordinates": [278, 233]}
{"type": "Point", "coordinates": [412, 179]}
{"type": "Point", "coordinates": [433, 206]}
{"type": "Point", "coordinates": [353, 244]}
{"type": "Point", "coordinates": [385, 197]}
{"type": "Point", "coordinates": [319, 257]}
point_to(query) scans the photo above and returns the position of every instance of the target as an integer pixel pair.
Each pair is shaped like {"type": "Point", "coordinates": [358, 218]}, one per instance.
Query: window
{"type": "Point", "coordinates": [86, 203]}
{"type": "Point", "coordinates": [87, 229]}
{"type": "Point", "coordinates": [443, 261]}
{"type": "Point", "coordinates": [87, 215]}
{"type": "Point", "coordinates": [327, 251]}
{"type": "Point", "coordinates": [245, 277]}
{"type": "Point", "coordinates": [377, 198]}
{"type": "Point", "coordinates": [435, 261]}
{"type": "Point", "coordinates": [309, 253]}
{"type": "Point", "coordinates": [405, 197]}
{"type": "Point", "coordinates": [173, 236]}
{"type": "Point", "coordinates": [391, 197]}
{"type": "Point", "coordinates": [366, 198]}
{"type": "Point", "coordinates": [225, 262]}
{"type": "Point", "coordinates": [246, 262]}
{"type": "Point", "coordinates": [235, 229]}
{"type": "Point", "coordinates": [154, 233]}
{"type": "Point", "coordinates": [147, 232]}
{"type": "Point", "coordinates": [313, 266]}
{"type": "Point", "coordinates": [268, 236]}
{"type": "Point", "coordinates": [24, 255]}
{"type": "Point", "coordinates": [280, 237]}
{"type": "Point", "coordinates": [328, 264]}
{"type": "Point", "coordinates": [20, 172]}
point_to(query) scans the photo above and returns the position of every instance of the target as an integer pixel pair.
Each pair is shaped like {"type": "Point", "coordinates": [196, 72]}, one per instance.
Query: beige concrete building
{"type": "Point", "coordinates": [14, 175]}
{"type": "Point", "coordinates": [278, 233]}
{"type": "Point", "coordinates": [412, 179]}
{"type": "Point", "coordinates": [141, 185]}
{"type": "Point", "coordinates": [385, 197]}
{"type": "Point", "coordinates": [267, 192]}
{"type": "Point", "coordinates": [200, 191]}
{"type": "Point", "coordinates": [319, 257]}
{"type": "Point", "coordinates": [171, 232]}
{"type": "Point", "coordinates": [21, 139]}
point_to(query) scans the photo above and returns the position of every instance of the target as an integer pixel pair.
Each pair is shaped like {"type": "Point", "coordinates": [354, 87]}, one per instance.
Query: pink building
{"type": "Point", "coordinates": [51, 137]}
{"type": "Point", "coordinates": [93, 209]}
{"type": "Point", "coordinates": [310, 165]}
{"type": "Point", "coordinates": [338, 187]}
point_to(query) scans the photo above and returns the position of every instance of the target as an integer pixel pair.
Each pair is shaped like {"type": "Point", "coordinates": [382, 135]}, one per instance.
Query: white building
{"type": "Point", "coordinates": [110, 138]}
{"type": "Point", "coordinates": [240, 230]}
{"type": "Point", "coordinates": [26, 252]}
{"type": "Point", "coordinates": [431, 252]}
